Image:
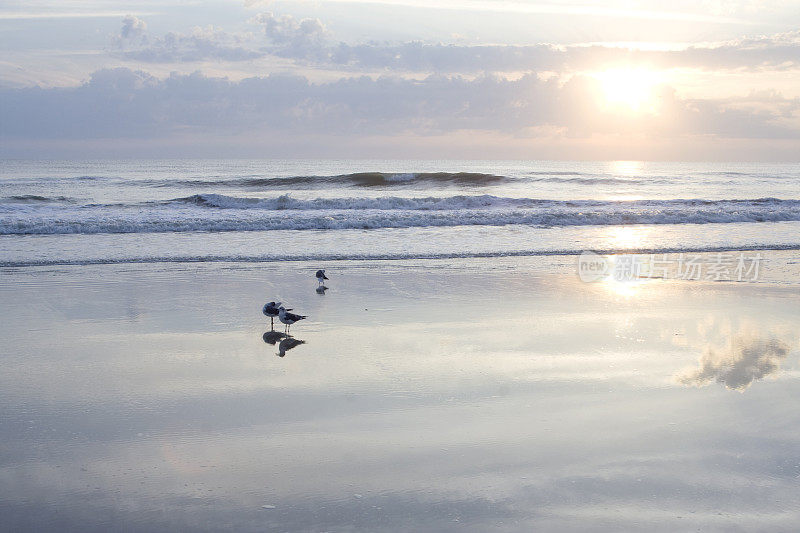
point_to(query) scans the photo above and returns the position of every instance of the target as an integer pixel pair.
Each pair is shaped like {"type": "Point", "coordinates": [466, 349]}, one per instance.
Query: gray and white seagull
{"type": "Point", "coordinates": [288, 318]}
{"type": "Point", "coordinates": [271, 310]}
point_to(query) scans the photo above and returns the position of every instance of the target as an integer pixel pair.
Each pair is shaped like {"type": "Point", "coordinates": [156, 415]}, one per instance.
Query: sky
{"type": "Point", "coordinates": [715, 80]}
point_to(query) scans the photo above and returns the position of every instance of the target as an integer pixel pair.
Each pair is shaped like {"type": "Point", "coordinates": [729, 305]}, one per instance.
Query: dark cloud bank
{"type": "Point", "coordinates": [122, 103]}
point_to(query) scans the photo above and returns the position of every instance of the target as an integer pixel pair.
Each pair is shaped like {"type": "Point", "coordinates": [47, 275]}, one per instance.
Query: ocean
{"type": "Point", "coordinates": [84, 212]}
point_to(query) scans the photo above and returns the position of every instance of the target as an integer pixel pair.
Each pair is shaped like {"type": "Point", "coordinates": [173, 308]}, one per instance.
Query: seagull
{"type": "Point", "coordinates": [288, 318]}
{"type": "Point", "coordinates": [271, 310]}
{"type": "Point", "coordinates": [321, 277]}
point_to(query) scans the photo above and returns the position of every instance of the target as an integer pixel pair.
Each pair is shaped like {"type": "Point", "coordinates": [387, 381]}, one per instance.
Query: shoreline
{"type": "Point", "coordinates": [410, 256]}
{"type": "Point", "coordinates": [776, 265]}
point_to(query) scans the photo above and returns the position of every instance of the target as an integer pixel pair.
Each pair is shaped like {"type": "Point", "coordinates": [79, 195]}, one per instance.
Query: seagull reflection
{"type": "Point", "coordinates": [321, 289]}
{"type": "Point", "coordinates": [271, 337]}
{"type": "Point", "coordinates": [287, 344]}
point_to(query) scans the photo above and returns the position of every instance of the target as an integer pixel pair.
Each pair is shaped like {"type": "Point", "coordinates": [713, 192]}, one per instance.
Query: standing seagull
{"type": "Point", "coordinates": [321, 277]}
{"type": "Point", "coordinates": [288, 318]}
{"type": "Point", "coordinates": [271, 310]}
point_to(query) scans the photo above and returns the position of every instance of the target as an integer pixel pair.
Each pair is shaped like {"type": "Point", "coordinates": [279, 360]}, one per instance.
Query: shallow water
{"type": "Point", "coordinates": [499, 394]}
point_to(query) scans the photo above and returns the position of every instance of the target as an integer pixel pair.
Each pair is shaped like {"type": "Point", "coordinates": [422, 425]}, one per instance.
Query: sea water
{"type": "Point", "coordinates": [68, 212]}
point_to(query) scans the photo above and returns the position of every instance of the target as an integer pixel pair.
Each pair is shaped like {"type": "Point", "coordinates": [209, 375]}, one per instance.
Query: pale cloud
{"type": "Point", "coordinates": [781, 51]}
{"type": "Point", "coordinates": [304, 38]}
{"type": "Point", "coordinates": [309, 40]}
{"type": "Point", "coordinates": [310, 43]}
{"type": "Point", "coordinates": [174, 47]}
{"type": "Point", "coordinates": [132, 33]}
{"type": "Point", "coordinates": [132, 27]}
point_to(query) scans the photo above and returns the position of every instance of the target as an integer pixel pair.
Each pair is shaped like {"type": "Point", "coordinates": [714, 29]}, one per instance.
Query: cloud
{"type": "Point", "coordinates": [123, 103]}
{"type": "Point", "coordinates": [305, 38]}
{"type": "Point", "coordinates": [778, 51]}
{"type": "Point", "coordinates": [132, 27]}
{"type": "Point", "coordinates": [309, 40]}
{"type": "Point", "coordinates": [748, 360]}
{"type": "Point", "coordinates": [201, 44]}
{"type": "Point", "coordinates": [781, 51]}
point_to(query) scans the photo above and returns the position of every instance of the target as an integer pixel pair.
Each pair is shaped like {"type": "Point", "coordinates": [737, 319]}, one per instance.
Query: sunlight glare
{"type": "Point", "coordinates": [626, 168]}
{"type": "Point", "coordinates": [632, 89]}
{"type": "Point", "coordinates": [627, 237]}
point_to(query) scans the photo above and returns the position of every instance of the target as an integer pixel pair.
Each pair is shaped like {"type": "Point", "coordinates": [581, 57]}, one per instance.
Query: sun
{"type": "Point", "coordinates": [627, 88]}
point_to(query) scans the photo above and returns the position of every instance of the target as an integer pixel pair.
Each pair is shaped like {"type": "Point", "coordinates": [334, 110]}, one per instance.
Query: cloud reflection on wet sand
{"type": "Point", "coordinates": [747, 360]}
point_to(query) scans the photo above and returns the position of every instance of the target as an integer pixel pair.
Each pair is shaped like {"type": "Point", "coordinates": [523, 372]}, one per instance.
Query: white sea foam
{"type": "Point", "coordinates": [215, 212]}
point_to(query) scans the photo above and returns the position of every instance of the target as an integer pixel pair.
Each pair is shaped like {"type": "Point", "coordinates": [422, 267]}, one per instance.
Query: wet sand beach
{"type": "Point", "coordinates": [481, 395]}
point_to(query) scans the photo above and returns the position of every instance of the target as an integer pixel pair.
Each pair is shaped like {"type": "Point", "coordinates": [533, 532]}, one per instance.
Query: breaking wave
{"type": "Point", "coordinates": [216, 213]}
{"type": "Point", "coordinates": [34, 199]}
{"type": "Point", "coordinates": [357, 179]}
{"type": "Point", "coordinates": [286, 202]}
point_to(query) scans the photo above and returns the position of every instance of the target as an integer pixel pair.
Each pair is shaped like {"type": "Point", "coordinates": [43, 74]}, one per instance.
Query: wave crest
{"type": "Point", "coordinates": [355, 179]}
{"type": "Point", "coordinates": [214, 212]}
{"type": "Point", "coordinates": [428, 203]}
